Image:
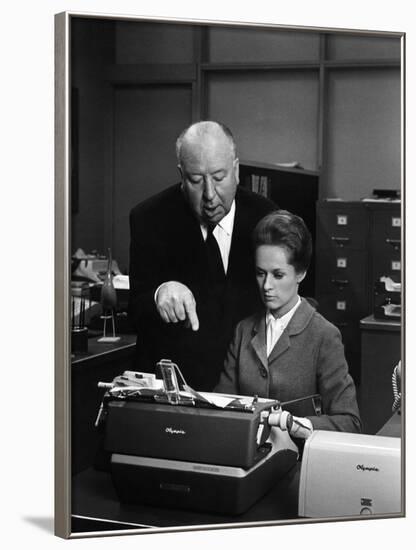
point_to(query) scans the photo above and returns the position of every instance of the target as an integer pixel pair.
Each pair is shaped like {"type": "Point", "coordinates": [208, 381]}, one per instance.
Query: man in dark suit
{"type": "Point", "coordinates": [191, 262]}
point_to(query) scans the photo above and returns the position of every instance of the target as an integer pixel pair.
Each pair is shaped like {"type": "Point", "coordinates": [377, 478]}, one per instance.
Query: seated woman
{"type": "Point", "coordinates": [288, 351]}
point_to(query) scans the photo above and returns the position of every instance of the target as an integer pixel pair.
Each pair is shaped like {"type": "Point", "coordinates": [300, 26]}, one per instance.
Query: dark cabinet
{"type": "Point", "coordinates": [101, 363]}
{"type": "Point", "coordinates": [357, 242]}
{"type": "Point", "coordinates": [385, 241]}
{"type": "Point", "coordinates": [380, 348]}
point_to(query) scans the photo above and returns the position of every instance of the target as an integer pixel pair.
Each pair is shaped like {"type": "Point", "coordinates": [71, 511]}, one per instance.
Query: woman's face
{"type": "Point", "coordinates": [277, 279]}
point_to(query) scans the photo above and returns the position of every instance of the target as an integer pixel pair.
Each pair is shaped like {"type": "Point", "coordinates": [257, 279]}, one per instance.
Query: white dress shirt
{"type": "Point", "coordinates": [276, 326]}
{"type": "Point", "coordinates": [223, 233]}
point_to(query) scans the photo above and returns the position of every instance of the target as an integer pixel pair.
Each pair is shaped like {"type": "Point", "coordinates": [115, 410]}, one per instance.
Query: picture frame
{"type": "Point", "coordinates": [65, 210]}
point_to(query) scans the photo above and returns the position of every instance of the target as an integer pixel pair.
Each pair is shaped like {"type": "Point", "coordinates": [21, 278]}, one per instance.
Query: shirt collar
{"type": "Point", "coordinates": [284, 320]}
{"type": "Point", "coordinates": [227, 222]}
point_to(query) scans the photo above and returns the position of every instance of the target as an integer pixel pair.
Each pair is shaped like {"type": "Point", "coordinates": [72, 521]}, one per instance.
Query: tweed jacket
{"type": "Point", "coordinates": [167, 245]}
{"type": "Point", "coordinates": [308, 358]}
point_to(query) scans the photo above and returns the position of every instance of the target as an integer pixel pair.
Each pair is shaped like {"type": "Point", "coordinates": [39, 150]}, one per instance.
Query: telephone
{"type": "Point", "coordinates": [396, 381]}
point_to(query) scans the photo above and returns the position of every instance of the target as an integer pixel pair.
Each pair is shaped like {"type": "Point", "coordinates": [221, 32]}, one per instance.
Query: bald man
{"type": "Point", "coordinates": [191, 263]}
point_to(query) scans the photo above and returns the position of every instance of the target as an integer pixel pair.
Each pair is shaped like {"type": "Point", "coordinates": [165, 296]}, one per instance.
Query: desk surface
{"type": "Point", "coordinates": [93, 497]}
{"type": "Point", "coordinates": [371, 323]}
{"type": "Point", "coordinates": [95, 506]}
{"type": "Point", "coordinates": [98, 349]}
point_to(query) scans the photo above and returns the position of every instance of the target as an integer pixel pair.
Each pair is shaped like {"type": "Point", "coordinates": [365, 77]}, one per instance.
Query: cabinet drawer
{"type": "Point", "coordinates": [388, 266]}
{"type": "Point", "coordinates": [341, 226]}
{"type": "Point", "coordinates": [386, 225]}
{"type": "Point", "coordinates": [342, 307]}
{"type": "Point", "coordinates": [339, 269]}
{"type": "Point", "coordinates": [386, 242]}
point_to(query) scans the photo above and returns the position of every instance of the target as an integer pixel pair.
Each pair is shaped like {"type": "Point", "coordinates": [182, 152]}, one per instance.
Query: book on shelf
{"type": "Point", "coordinates": [264, 186]}
{"type": "Point", "coordinates": [258, 184]}
{"type": "Point", "coordinates": [255, 183]}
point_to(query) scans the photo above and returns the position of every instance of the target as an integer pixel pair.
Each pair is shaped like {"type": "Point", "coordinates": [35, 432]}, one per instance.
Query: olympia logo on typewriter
{"type": "Point", "coordinates": [172, 431]}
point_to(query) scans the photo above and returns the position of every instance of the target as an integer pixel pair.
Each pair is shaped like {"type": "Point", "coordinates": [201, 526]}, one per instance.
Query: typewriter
{"type": "Point", "coordinates": [174, 447]}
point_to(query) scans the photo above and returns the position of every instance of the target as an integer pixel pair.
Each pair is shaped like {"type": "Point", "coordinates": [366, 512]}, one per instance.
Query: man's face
{"type": "Point", "coordinates": [209, 174]}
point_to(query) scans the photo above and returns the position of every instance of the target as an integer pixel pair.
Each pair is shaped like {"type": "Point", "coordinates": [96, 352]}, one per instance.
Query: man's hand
{"type": "Point", "coordinates": [175, 302]}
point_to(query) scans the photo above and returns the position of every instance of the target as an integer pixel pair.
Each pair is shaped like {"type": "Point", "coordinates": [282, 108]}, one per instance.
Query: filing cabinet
{"type": "Point", "coordinates": [357, 242]}
{"type": "Point", "coordinates": [385, 241]}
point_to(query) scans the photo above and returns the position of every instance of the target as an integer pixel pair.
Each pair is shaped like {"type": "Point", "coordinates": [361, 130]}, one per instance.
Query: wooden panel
{"type": "Point", "coordinates": [273, 115]}
{"type": "Point", "coordinates": [146, 72]}
{"type": "Point", "coordinates": [257, 44]}
{"type": "Point", "coordinates": [145, 42]}
{"type": "Point", "coordinates": [363, 137]}
{"type": "Point", "coordinates": [342, 46]}
{"type": "Point", "coordinates": [147, 121]}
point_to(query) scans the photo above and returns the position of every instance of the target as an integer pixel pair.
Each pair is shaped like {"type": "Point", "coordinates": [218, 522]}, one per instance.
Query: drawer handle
{"type": "Point", "coordinates": [395, 243]}
{"type": "Point", "coordinates": [341, 241]}
{"type": "Point", "coordinates": [341, 324]}
{"type": "Point", "coordinates": [340, 282]}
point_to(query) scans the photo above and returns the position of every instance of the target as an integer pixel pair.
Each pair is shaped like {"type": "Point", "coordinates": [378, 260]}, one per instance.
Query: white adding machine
{"type": "Point", "coordinates": [345, 474]}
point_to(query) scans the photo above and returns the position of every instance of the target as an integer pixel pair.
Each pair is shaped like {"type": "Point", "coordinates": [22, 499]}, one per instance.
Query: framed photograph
{"type": "Point", "coordinates": [175, 407]}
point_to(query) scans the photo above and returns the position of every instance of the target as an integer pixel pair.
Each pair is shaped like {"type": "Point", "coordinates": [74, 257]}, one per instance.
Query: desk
{"type": "Point", "coordinates": [380, 352]}
{"type": "Point", "coordinates": [104, 352]}
{"type": "Point", "coordinates": [102, 362]}
{"type": "Point", "coordinates": [93, 496]}
{"type": "Point", "coordinates": [94, 503]}
{"type": "Point", "coordinates": [92, 492]}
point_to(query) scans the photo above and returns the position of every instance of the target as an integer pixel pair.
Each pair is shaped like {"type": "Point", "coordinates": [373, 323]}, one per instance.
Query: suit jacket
{"type": "Point", "coordinates": [308, 358]}
{"type": "Point", "coordinates": [167, 245]}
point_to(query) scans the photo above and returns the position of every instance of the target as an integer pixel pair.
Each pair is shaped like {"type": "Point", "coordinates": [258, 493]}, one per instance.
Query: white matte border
{"type": "Point", "coordinates": [27, 268]}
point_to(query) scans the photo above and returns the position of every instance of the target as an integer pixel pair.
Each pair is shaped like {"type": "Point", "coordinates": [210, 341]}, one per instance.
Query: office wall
{"type": "Point", "coordinates": [127, 129]}
{"type": "Point", "coordinates": [273, 115]}
{"type": "Point", "coordinates": [148, 117]}
{"type": "Point", "coordinates": [363, 137]}
{"type": "Point", "coordinates": [147, 120]}
{"type": "Point", "coordinates": [362, 145]}
{"type": "Point", "coordinates": [92, 51]}
{"type": "Point", "coordinates": [154, 43]}
{"type": "Point", "coordinates": [346, 47]}
{"type": "Point", "coordinates": [245, 45]}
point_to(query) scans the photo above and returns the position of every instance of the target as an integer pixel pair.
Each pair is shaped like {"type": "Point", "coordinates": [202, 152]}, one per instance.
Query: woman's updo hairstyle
{"type": "Point", "coordinates": [282, 228]}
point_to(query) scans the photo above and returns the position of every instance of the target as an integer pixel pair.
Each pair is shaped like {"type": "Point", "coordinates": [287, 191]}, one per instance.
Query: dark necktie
{"type": "Point", "coordinates": [216, 267]}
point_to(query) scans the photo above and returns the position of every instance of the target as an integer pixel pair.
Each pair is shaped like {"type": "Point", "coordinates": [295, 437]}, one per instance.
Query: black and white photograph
{"type": "Point", "coordinates": [210, 206]}
{"type": "Point", "coordinates": [235, 295]}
